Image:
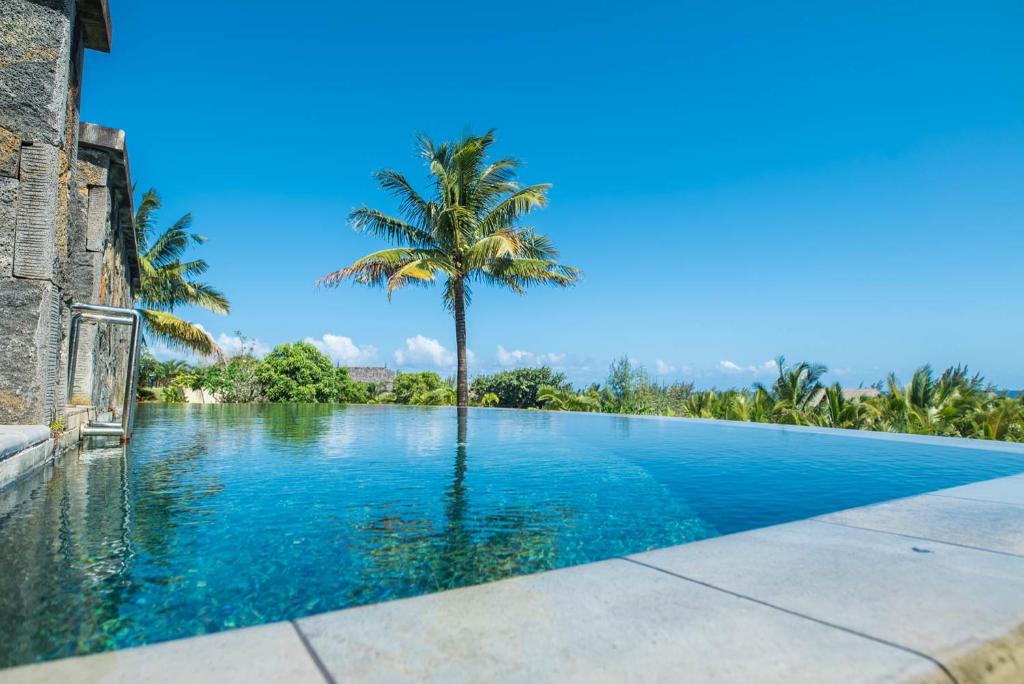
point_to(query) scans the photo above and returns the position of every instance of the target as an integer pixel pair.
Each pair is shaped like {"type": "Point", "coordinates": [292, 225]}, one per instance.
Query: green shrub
{"type": "Point", "coordinates": [173, 393]}
{"type": "Point", "coordinates": [425, 388]}
{"type": "Point", "coordinates": [235, 381]}
{"type": "Point", "coordinates": [518, 388]}
{"type": "Point", "coordinates": [148, 394]}
{"type": "Point", "coordinates": [299, 372]}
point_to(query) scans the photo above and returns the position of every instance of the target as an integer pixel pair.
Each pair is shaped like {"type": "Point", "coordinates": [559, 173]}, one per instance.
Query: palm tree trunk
{"type": "Point", "coordinates": [462, 374]}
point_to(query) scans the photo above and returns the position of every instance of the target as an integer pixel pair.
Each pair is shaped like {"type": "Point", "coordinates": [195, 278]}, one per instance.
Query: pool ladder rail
{"type": "Point", "coordinates": [95, 313]}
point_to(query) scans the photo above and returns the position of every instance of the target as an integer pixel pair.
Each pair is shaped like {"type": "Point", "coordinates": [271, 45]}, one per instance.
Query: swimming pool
{"type": "Point", "coordinates": [226, 516]}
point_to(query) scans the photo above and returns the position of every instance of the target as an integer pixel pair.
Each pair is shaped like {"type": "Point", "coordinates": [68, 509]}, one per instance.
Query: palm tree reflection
{"type": "Point", "coordinates": [406, 555]}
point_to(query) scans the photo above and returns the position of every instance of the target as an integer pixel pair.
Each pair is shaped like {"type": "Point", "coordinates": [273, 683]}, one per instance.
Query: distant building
{"type": "Point", "coordinates": [860, 392]}
{"type": "Point", "coordinates": [382, 377]}
{"type": "Point", "coordinates": [848, 393]}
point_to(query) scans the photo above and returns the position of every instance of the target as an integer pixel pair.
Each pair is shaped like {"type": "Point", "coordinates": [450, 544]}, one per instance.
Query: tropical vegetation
{"type": "Point", "coordinates": [169, 281]}
{"type": "Point", "coordinates": [952, 403]}
{"type": "Point", "coordinates": [468, 232]}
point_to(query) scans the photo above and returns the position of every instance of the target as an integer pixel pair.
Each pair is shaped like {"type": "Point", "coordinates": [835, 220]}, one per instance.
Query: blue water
{"type": "Point", "coordinates": [225, 516]}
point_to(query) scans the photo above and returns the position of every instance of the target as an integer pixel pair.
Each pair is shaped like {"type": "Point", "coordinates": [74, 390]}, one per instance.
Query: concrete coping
{"type": "Point", "coordinates": [16, 438]}
{"type": "Point", "coordinates": [94, 16]}
{"type": "Point", "coordinates": [113, 142]}
{"type": "Point", "coordinates": [925, 589]}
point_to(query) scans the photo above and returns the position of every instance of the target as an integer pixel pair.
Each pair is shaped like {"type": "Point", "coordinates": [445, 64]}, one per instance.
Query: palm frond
{"type": "Point", "coordinates": [179, 333]}
{"type": "Point", "coordinates": [381, 225]}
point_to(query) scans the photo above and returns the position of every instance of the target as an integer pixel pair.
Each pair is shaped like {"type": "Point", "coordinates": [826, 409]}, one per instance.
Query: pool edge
{"type": "Point", "coordinates": [969, 537]}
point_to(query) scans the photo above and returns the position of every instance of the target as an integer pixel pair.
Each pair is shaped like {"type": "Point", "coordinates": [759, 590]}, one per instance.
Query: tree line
{"type": "Point", "coordinates": [952, 403]}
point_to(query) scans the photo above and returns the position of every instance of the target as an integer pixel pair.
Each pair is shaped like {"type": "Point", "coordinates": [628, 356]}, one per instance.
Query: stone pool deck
{"type": "Point", "coordinates": [24, 448]}
{"type": "Point", "coordinates": [924, 589]}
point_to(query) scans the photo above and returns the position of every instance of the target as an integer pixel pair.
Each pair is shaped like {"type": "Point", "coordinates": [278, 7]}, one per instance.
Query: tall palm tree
{"type": "Point", "coordinates": [168, 282]}
{"type": "Point", "coordinates": [466, 233]}
{"type": "Point", "coordinates": [798, 386]}
{"type": "Point", "coordinates": [166, 371]}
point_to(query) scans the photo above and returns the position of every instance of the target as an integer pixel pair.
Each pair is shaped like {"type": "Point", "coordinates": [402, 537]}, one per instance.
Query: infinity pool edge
{"type": "Point", "coordinates": [925, 588]}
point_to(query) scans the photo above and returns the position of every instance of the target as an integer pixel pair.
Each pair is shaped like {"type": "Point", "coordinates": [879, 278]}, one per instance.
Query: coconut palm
{"type": "Point", "coordinates": [468, 232]}
{"type": "Point", "coordinates": [168, 282]}
{"type": "Point", "coordinates": [166, 371]}
{"type": "Point", "coordinates": [796, 390]}
{"type": "Point", "coordinates": [929, 406]}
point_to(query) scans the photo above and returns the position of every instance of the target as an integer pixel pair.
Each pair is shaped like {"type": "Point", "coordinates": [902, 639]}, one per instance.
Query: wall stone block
{"type": "Point", "coordinates": [10, 153]}
{"type": "Point", "coordinates": [26, 313]}
{"type": "Point", "coordinates": [35, 58]}
{"type": "Point", "coordinates": [98, 222]}
{"type": "Point", "coordinates": [35, 236]}
{"type": "Point", "coordinates": [8, 221]}
{"type": "Point", "coordinates": [94, 167]}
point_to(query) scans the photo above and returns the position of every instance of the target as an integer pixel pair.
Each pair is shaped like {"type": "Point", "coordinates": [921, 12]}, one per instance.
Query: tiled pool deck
{"type": "Point", "coordinates": [924, 589]}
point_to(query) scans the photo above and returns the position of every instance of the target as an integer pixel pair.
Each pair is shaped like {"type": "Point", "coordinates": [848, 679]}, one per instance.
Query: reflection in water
{"type": "Point", "coordinates": [175, 491]}
{"type": "Point", "coordinates": [298, 424]}
{"type": "Point", "coordinates": [74, 533]}
{"type": "Point", "coordinates": [403, 551]}
{"type": "Point", "coordinates": [227, 516]}
{"type": "Point", "coordinates": [81, 510]}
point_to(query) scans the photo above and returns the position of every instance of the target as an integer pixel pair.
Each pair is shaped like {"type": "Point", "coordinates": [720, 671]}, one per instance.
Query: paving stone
{"type": "Point", "coordinates": [611, 621]}
{"type": "Point", "coordinates": [270, 653]}
{"type": "Point", "coordinates": [1008, 490]}
{"type": "Point", "coordinates": [956, 604]}
{"type": "Point", "coordinates": [982, 524]}
{"type": "Point", "coordinates": [14, 438]}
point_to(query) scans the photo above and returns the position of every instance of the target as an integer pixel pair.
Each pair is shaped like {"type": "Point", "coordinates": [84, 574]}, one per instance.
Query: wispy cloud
{"type": "Point", "coordinates": [663, 368]}
{"type": "Point", "coordinates": [519, 357]}
{"type": "Point", "coordinates": [732, 367]}
{"type": "Point", "coordinates": [233, 345]}
{"type": "Point", "coordinates": [343, 350]}
{"type": "Point", "coordinates": [230, 344]}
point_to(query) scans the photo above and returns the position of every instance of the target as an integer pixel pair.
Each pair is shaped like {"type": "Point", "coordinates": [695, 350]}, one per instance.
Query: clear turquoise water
{"type": "Point", "coordinates": [225, 516]}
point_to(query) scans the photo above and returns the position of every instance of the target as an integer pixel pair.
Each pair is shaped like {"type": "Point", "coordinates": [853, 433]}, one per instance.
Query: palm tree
{"type": "Point", "coordinates": [168, 282]}
{"type": "Point", "coordinates": [166, 371]}
{"type": "Point", "coordinates": [466, 233]}
{"type": "Point", "coordinates": [798, 386]}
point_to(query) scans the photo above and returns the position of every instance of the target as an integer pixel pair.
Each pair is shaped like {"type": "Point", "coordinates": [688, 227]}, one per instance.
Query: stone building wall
{"type": "Point", "coordinates": [103, 264]}
{"type": "Point", "coordinates": [381, 376]}
{"type": "Point", "coordinates": [57, 245]}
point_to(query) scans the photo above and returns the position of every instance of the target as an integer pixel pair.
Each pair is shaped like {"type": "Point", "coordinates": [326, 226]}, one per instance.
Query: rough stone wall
{"type": "Point", "coordinates": [382, 377]}
{"type": "Point", "coordinates": [51, 253]}
{"type": "Point", "coordinates": [100, 275]}
{"type": "Point", "coordinates": [36, 39]}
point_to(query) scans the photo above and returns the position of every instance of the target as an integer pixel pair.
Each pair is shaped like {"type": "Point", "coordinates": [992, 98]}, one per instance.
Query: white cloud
{"type": "Point", "coordinates": [343, 350]}
{"type": "Point", "coordinates": [663, 368]}
{"type": "Point", "coordinates": [519, 357]}
{"type": "Point", "coordinates": [425, 351]}
{"type": "Point", "coordinates": [733, 367]}
{"type": "Point", "coordinates": [230, 344]}
{"type": "Point", "coordinates": [234, 345]}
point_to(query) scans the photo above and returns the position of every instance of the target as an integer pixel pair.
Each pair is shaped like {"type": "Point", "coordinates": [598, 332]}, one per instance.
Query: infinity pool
{"type": "Point", "coordinates": [225, 516]}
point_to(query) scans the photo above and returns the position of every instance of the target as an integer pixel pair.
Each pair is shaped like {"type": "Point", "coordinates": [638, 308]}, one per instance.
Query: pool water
{"type": "Point", "coordinates": [226, 516]}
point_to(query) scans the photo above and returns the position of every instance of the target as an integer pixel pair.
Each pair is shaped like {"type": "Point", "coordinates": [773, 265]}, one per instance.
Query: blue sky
{"type": "Point", "coordinates": [837, 182]}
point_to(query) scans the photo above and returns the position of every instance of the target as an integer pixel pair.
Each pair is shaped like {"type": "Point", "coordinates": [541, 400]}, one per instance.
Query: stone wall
{"type": "Point", "coordinates": [65, 210]}
{"type": "Point", "coordinates": [381, 376]}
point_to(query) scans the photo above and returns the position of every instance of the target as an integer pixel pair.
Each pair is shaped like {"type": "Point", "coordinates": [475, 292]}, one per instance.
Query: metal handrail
{"type": "Point", "coordinates": [114, 316]}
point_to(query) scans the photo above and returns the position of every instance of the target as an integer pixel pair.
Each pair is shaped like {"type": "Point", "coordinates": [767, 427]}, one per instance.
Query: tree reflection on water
{"type": "Point", "coordinates": [406, 556]}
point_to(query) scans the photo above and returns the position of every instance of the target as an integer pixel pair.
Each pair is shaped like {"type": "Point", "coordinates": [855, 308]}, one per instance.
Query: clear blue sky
{"type": "Point", "coordinates": [837, 182]}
